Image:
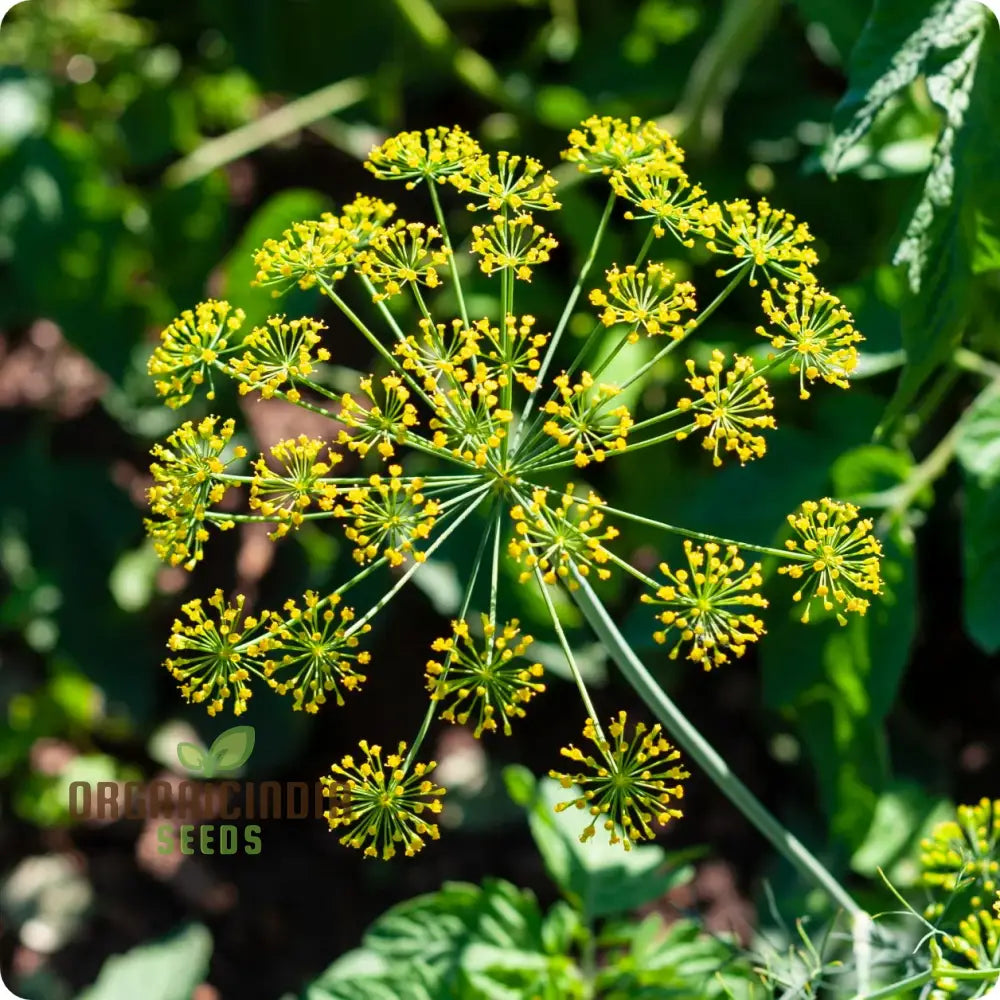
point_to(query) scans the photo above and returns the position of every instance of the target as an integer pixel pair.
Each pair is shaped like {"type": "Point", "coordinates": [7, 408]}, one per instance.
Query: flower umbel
{"type": "Point", "coordinates": [647, 300]}
{"type": "Point", "coordinates": [385, 805]}
{"type": "Point", "coordinates": [632, 782]}
{"type": "Point", "coordinates": [483, 679]}
{"type": "Point", "coordinates": [708, 606]}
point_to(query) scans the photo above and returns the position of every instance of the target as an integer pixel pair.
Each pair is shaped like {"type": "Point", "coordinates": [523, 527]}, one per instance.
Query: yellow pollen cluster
{"type": "Point", "coordinates": [279, 353]}
{"type": "Point", "coordinates": [517, 184]}
{"type": "Point", "coordinates": [843, 558]}
{"type": "Point", "coordinates": [731, 408]}
{"type": "Point", "coordinates": [384, 804]}
{"type": "Point", "coordinates": [647, 300]}
{"type": "Point", "coordinates": [582, 420]}
{"type": "Point", "coordinates": [189, 349]}
{"type": "Point", "coordinates": [388, 517]}
{"type": "Point", "coordinates": [603, 144]}
{"type": "Point", "coordinates": [484, 679]}
{"type": "Point", "coordinates": [433, 154]}
{"type": "Point", "coordinates": [708, 605]}
{"type": "Point", "coordinates": [555, 541]}
{"type": "Point", "coordinates": [814, 332]}
{"type": "Point", "coordinates": [632, 782]}
{"type": "Point", "coordinates": [512, 244]}
{"type": "Point", "coordinates": [379, 425]}
{"type": "Point", "coordinates": [403, 253]}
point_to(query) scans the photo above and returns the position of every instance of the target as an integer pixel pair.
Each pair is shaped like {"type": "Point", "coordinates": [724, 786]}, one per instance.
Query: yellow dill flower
{"type": "Point", "coordinates": [403, 253]}
{"type": "Point", "coordinates": [517, 183]}
{"type": "Point", "coordinates": [556, 540]}
{"type": "Point", "coordinates": [384, 806]}
{"type": "Point", "coordinates": [707, 606]}
{"type": "Point", "coordinates": [438, 352]}
{"type": "Point", "coordinates": [380, 425]}
{"type": "Point", "coordinates": [647, 300]}
{"type": "Point", "coordinates": [312, 651]}
{"type": "Point", "coordinates": [602, 144]}
{"type": "Point", "coordinates": [662, 192]}
{"type": "Point", "coordinates": [632, 782]}
{"type": "Point", "coordinates": [433, 154]}
{"type": "Point", "coordinates": [975, 945]}
{"type": "Point", "coordinates": [279, 353]}
{"type": "Point", "coordinates": [189, 348]}
{"type": "Point", "coordinates": [298, 482]}
{"type": "Point", "coordinates": [580, 419]}
{"type": "Point", "coordinates": [844, 557]}
{"type": "Point", "coordinates": [512, 244]}
{"type": "Point", "coordinates": [765, 237]}
{"type": "Point", "coordinates": [468, 419]}
{"type": "Point", "coordinates": [388, 517]}
{"type": "Point", "coordinates": [484, 679]}
{"type": "Point", "coordinates": [307, 251]}
{"type": "Point", "coordinates": [211, 665]}
{"type": "Point", "coordinates": [186, 484]}
{"type": "Point", "coordinates": [508, 351]}
{"type": "Point", "coordinates": [817, 334]}
{"type": "Point", "coordinates": [364, 217]}
{"type": "Point", "coordinates": [731, 407]}
{"type": "Point", "coordinates": [963, 852]}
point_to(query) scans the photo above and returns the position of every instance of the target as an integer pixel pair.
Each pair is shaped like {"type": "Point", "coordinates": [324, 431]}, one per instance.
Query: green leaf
{"type": "Point", "coordinates": [238, 269]}
{"type": "Point", "coordinates": [978, 444]}
{"type": "Point", "coordinates": [597, 878]}
{"type": "Point", "coordinates": [981, 563]}
{"type": "Point", "coordinates": [232, 749]}
{"type": "Point", "coordinates": [168, 969]}
{"type": "Point", "coordinates": [192, 757]}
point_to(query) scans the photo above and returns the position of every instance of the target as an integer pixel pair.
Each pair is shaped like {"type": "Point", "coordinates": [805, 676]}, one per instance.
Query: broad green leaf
{"type": "Point", "coordinates": [231, 749]}
{"type": "Point", "coordinates": [238, 269]}
{"type": "Point", "coordinates": [168, 969]}
{"type": "Point", "coordinates": [981, 563]}
{"type": "Point", "coordinates": [978, 444]}
{"type": "Point", "coordinates": [599, 879]}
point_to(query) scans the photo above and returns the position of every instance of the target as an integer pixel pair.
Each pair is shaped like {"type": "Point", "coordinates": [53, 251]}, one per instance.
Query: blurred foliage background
{"type": "Point", "coordinates": [146, 148]}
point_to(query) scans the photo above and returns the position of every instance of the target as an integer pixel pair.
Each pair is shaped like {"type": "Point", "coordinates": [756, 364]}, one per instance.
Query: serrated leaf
{"type": "Point", "coordinates": [231, 749]}
{"type": "Point", "coordinates": [192, 757]}
{"type": "Point", "coordinates": [168, 969]}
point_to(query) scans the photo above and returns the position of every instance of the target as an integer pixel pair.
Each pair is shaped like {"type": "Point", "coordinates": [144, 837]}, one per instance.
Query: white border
{"type": "Point", "coordinates": [5, 6]}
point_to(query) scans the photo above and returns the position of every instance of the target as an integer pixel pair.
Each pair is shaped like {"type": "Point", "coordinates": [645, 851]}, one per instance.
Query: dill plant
{"type": "Point", "coordinates": [468, 418]}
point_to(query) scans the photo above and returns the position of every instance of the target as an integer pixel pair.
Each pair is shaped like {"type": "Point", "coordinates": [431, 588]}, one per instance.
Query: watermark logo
{"type": "Point", "coordinates": [228, 753]}
{"type": "Point", "coordinates": [209, 812]}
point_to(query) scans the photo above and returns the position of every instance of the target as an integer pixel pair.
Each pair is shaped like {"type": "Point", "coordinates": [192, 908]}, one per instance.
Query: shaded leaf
{"type": "Point", "coordinates": [232, 748]}
{"type": "Point", "coordinates": [191, 757]}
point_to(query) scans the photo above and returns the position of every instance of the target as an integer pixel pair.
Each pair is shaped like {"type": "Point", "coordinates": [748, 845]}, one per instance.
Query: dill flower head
{"type": "Point", "coordinates": [843, 558]}
{"type": "Point", "coordinates": [603, 144]}
{"type": "Point", "coordinates": [364, 217]}
{"type": "Point", "coordinates": [555, 540]}
{"type": "Point", "coordinates": [632, 782]}
{"type": "Point", "coordinates": [661, 192]}
{"type": "Point", "coordinates": [582, 419]}
{"type": "Point", "coordinates": [296, 484]}
{"type": "Point", "coordinates": [312, 651]}
{"type": "Point", "coordinates": [510, 352]}
{"type": "Point", "coordinates": [964, 851]}
{"type": "Point", "coordinates": [517, 183]}
{"type": "Point", "coordinates": [388, 517]}
{"type": "Point", "coordinates": [384, 805]}
{"type": "Point", "coordinates": [732, 406]}
{"type": "Point", "coordinates": [765, 237]}
{"type": "Point", "coordinates": [709, 606]}
{"type": "Point", "coordinates": [483, 679]}
{"type": "Point", "coordinates": [186, 484]}
{"type": "Point", "coordinates": [378, 425]}
{"type": "Point", "coordinates": [400, 254]}
{"type": "Point", "coordinates": [647, 300]}
{"type": "Point", "coordinates": [433, 154]}
{"type": "Point", "coordinates": [306, 252]}
{"type": "Point", "coordinates": [814, 332]}
{"type": "Point", "coordinates": [277, 353]}
{"type": "Point", "coordinates": [514, 244]}
{"type": "Point", "coordinates": [974, 945]}
{"type": "Point", "coordinates": [184, 359]}
{"type": "Point", "coordinates": [210, 662]}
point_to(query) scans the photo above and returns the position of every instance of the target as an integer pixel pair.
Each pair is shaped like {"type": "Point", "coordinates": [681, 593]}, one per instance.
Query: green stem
{"type": "Point", "coordinates": [564, 318]}
{"type": "Point", "coordinates": [702, 752]}
{"type": "Point", "coordinates": [439, 214]}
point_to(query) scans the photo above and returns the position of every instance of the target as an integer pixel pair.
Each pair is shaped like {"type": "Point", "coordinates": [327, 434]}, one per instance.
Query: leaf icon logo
{"type": "Point", "coordinates": [230, 751]}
